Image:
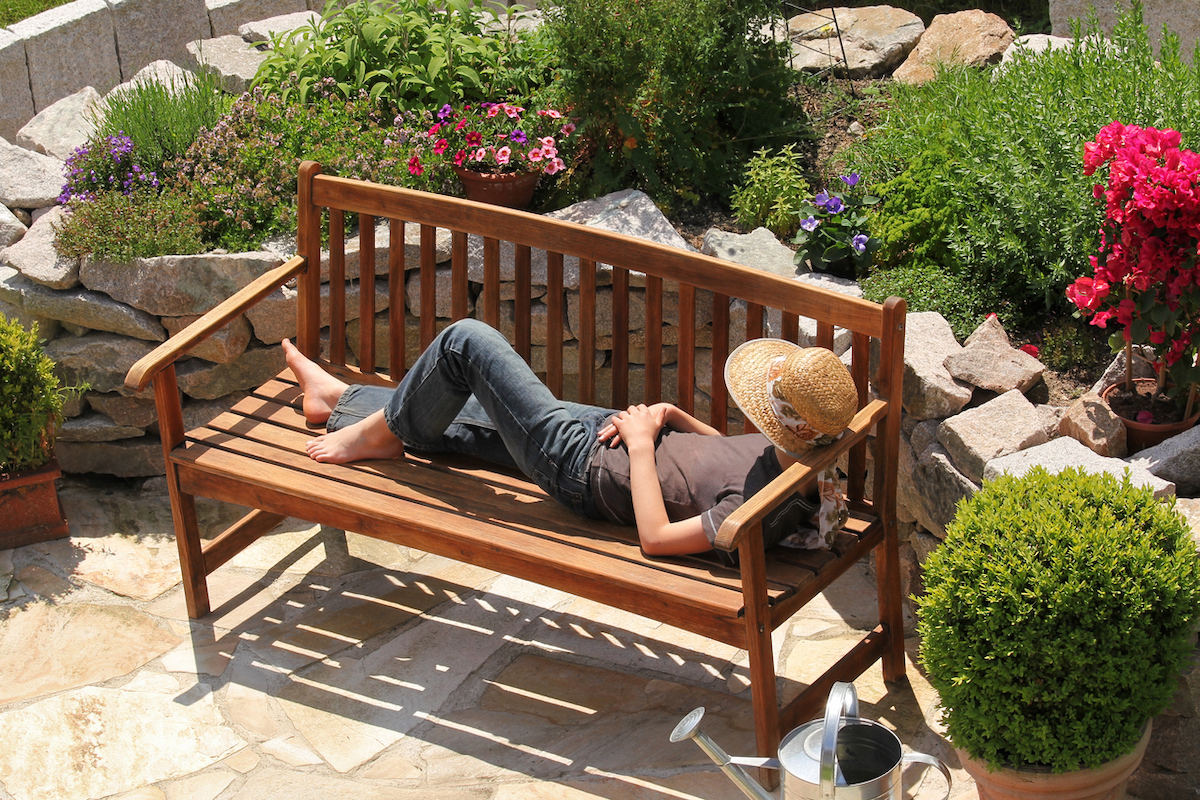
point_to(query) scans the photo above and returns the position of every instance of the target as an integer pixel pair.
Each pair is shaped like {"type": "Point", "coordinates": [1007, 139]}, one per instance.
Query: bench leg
{"type": "Point", "coordinates": [191, 556]}
{"type": "Point", "coordinates": [763, 695]}
{"type": "Point", "coordinates": [891, 604]}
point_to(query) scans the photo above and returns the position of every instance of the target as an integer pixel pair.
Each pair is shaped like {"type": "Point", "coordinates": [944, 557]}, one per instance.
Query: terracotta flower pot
{"type": "Point", "coordinates": [1106, 782]}
{"type": "Point", "coordinates": [508, 189]}
{"type": "Point", "coordinates": [1140, 435]}
{"type": "Point", "coordinates": [29, 508]}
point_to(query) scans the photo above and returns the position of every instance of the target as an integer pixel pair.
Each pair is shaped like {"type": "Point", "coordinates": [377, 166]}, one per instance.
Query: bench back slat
{"type": "Point", "coordinates": [595, 287]}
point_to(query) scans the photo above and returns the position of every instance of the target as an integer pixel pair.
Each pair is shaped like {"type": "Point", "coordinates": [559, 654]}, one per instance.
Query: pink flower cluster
{"type": "Point", "coordinates": [495, 137]}
{"type": "Point", "coordinates": [1146, 275]}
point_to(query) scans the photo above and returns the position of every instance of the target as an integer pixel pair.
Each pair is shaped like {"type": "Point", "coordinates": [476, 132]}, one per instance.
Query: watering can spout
{"type": "Point", "coordinates": [689, 728]}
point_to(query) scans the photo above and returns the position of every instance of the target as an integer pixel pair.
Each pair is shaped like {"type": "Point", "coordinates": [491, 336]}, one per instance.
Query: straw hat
{"type": "Point", "coordinates": [799, 397]}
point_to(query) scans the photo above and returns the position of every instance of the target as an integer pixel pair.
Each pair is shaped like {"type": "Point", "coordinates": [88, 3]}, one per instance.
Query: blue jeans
{"type": "Point", "coordinates": [470, 393]}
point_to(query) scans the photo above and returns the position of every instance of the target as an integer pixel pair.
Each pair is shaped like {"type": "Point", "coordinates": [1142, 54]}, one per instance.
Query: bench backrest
{"type": "Point", "coordinates": [623, 298]}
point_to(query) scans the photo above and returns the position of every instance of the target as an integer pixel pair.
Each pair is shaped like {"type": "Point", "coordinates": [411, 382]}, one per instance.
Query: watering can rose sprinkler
{"type": "Point", "coordinates": [841, 757]}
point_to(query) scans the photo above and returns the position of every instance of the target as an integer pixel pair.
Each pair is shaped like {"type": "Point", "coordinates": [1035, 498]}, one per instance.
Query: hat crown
{"type": "Point", "coordinates": [814, 385]}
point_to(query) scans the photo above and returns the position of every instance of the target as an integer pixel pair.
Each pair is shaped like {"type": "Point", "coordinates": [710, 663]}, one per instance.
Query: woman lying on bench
{"type": "Point", "coordinates": [655, 466]}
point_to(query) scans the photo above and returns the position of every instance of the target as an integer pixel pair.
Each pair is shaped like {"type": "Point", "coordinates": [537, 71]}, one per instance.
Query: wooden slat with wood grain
{"type": "Point", "coordinates": [626, 301]}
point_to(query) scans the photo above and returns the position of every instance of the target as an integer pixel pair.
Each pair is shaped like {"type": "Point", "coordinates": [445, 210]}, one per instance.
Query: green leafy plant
{"type": "Point", "coordinates": [1009, 206]}
{"type": "Point", "coordinates": [410, 53]}
{"type": "Point", "coordinates": [492, 137]}
{"type": "Point", "coordinates": [833, 235]}
{"type": "Point", "coordinates": [163, 119]}
{"type": "Point", "coordinates": [31, 400]}
{"type": "Point", "coordinates": [105, 164]}
{"type": "Point", "coordinates": [120, 227]}
{"type": "Point", "coordinates": [1058, 613]}
{"type": "Point", "coordinates": [673, 97]}
{"type": "Point", "coordinates": [926, 287]}
{"type": "Point", "coordinates": [773, 191]}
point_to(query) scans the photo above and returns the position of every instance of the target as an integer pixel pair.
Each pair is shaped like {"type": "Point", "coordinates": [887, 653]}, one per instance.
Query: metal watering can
{"type": "Point", "coordinates": [842, 757]}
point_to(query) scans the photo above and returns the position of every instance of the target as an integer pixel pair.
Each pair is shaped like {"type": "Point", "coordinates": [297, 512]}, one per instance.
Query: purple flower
{"type": "Point", "coordinates": [859, 242]}
{"type": "Point", "coordinates": [445, 111]}
{"type": "Point", "coordinates": [852, 179]}
{"type": "Point", "coordinates": [834, 205]}
{"type": "Point", "coordinates": [821, 199]}
{"type": "Point", "coordinates": [518, 137]}
{"type": "Point", "coordinates": [809, 224]}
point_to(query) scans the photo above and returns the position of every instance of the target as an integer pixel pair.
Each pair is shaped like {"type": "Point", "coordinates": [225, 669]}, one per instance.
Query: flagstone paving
{"type": "Point", "coordinates": [336, 666]}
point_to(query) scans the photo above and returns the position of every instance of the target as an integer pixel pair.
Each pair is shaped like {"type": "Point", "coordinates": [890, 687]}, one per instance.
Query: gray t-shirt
{"type": "Point", "coordinates": [709, 476]}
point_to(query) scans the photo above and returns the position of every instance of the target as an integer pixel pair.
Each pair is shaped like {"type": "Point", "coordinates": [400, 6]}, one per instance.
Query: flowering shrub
{"type": "Point", "coordinates": [494, 137]}
{"type": "Point", "coordinates": [833, 230]}
{"type": "Point", "coordinates": [1145, 275]}
{"type": "Point", "coordinates": [105, 165]}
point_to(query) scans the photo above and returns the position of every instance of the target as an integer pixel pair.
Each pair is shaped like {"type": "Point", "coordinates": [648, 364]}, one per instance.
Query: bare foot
{"type": "Point", "coordinates": [321, 390]}
{"type": "Point", "coordinates": [367, 438]}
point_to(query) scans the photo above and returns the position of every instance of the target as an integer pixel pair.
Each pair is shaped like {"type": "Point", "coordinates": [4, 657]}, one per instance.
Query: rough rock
{"type": "Point", "coordinates": [63, 127]}
{"type": "Point", "coordinates": [47, 328]}
{"type": "Point", "coordinates": [1182, 19]}
{"type": "Point", "coordinates": [127, 458]}
{"type": "Point", "coordinates": [930, 390]}
{"type": "Point", "coordinates": [28, 179]}
{"type": "Point", "coordinates": [226, 16]}
{"type": "Point", "coordinates": [998, 427]}
{"type": "Point", "coordinates": [1090, 421]}
{"type": "Point", "coordinates": [940, 486]}
{"type": "Point", "coordinates": [17, 106]}
{"type": "Point", "coordinates": [831, 283]}
{"type": "Point", "coordinates": [80, 307]}
{"type": "Point", "coordinates": [35, 257]}
{"type": "Point", "coordinates": [222, 347]}
{"type": "Point", "coordinates": [95, 428]}
{"type": "Point", "coordinates": [1033, 43]}
{"type": "Point", "coordinates": [261, 30]}
{"type": "Point", "coordinates": [1058, 454]}
{"type": "Point", "coordinates": [176, 286]}
{"type": "Point", "coordinates": [1116, 370]}
{"type": "Point", "coordinates": [995, 367]}
{"type": "Point", "coordinates": [274, 319]}
{"type": "Point", "coordinates": [98, 359]}
{"type": "Point", "coordinates": [758, 249]}
{"type": "Point", "coordinates": [1176, 460]}
{"type": "Point", "coordinates": [990, 330]}
{"type": "Point", "coordinates": [11, 229]}
{"type": "Point", "coordinates": [163, 72]}
{"type": "Point", "coordinates": [136, 412]}
{"type": "Point", "coordinates": [149, 32]}
{"type": "Point", "coordinates": [206, 381]}
{"type": "Point", "coordinates": [974, 38]}
{"type": "Point", "coordinates": [230, 58]}
{"type": "Point", "coordinates": [68, 47]}
{"type": "Point", "coordinates": [875, 39]}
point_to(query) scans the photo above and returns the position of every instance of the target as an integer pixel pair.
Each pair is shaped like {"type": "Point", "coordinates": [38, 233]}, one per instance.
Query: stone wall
{"type": "Point", "coordinates": [1181, 17]}
{"type": "Point", "coordinates": [101, 43]}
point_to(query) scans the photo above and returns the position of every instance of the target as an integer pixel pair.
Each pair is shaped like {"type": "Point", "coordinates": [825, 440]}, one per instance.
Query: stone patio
{"type": "Point", "coordinates": [338, 666]}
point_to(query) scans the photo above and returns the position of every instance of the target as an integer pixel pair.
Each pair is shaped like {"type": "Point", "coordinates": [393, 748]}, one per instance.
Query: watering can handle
{"type": "Point", "coordinates": [933, 761]}
{"type": "Point", "coordinates": [843, 702]}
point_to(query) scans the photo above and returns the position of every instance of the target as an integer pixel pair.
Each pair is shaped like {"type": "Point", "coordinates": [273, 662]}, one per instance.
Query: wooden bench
{"type": "Point", "coordinates": [254, 455]}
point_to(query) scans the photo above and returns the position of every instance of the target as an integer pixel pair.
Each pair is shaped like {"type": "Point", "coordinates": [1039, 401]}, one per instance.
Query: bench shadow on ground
{"type": "Point", "coordinates": [437, 671]}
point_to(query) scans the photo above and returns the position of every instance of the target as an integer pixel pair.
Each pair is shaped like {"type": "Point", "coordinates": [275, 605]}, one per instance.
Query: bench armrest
{"type": "Point", "coordinates": [755, 508]}
{"type": "Point", "coordinates": [141, 373]}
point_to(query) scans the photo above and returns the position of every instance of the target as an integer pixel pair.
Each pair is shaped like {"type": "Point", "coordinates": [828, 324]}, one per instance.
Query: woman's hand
{"type": "Point", "coordinates": [638, 424]}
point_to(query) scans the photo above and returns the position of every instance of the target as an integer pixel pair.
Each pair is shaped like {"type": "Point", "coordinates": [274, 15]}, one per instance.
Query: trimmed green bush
{"type": "Point", "coordinates": [30, 400]}
{"type": "Point", "coordinates": [673, 95]}
{"type": "Point", "coordinates": [1058, 615]}
{"type": "Point", "coordinates": [926, 287]}
{"type": "Point", "coordinates": [986, 165]}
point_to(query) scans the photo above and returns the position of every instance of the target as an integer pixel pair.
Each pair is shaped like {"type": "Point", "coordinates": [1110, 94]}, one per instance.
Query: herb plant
{"type": "Point", "coordinates": [105, 164]}
{"type": "Point", "coordinates": [773, 191]}
{"type": "Point", "coordinates": [31, 400]}
{"type": "Point", "coordinates": [926, 287]}
{"type": "Point", "coordinates": [120, 227]}
{"type": "Point", "coordinates": [1058, 614]}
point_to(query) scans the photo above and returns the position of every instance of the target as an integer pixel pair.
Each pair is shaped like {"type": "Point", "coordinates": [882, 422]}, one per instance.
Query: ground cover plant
{"type": "Point", "coordinates": [981, 172]}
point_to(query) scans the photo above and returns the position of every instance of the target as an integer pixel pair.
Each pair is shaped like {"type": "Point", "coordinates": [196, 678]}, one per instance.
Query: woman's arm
{"type": "Point", "coordinates": [638, 427]}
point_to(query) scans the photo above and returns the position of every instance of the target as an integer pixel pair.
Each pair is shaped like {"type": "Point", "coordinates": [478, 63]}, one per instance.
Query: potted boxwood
{"type": "Point", "coordinates": [1057, 616]}
{"type": "Point", "coordinates": [31, 403]}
